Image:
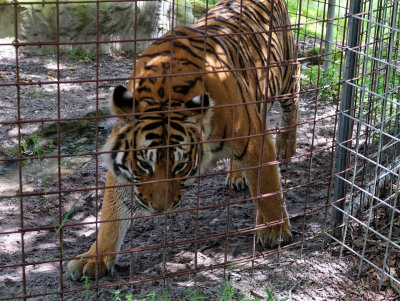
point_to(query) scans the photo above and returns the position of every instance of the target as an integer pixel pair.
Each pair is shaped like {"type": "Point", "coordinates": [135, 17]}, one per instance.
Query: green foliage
{"type": "Point", "coordinates": [86, 285]}
{"type": "Point", "coordinates": [69, 212]}
{"type": "Point", "coordinates": [35, 93]}
{"type": "Point", "coordinates": [155, 296]}
{"type": "Point", "coordinates": [230, 293]}
{"type": "Point", "coordinates": [227, 293]}
{"type": "Point", "coordinates": [81, 55]}
{"type": "Point", "coordinates": [311, 11]}
{"type": "Point", "coordinates": [272, 297]}
{"type": "Point", "coordinates": [316, 77]}
{"type": "Point", "coordinates": [117, 294]}
{"type": "Point", "coordinates": [380, 100]}
{"type": "Point", "coordinates": [31, 147]}
{"type": "Point", "coordinates": [210, 2]}
{"type": "Point", "coordinates": [199, 6]}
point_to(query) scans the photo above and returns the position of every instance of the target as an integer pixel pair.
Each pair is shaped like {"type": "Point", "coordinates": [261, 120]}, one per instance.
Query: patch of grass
{"type": "Point", "coordinates": [230, 293]}
{"type": "Point", "coordinates": [313, 12]}
{"type": "Point", "coordinates": [86, 285]}
{"type": "Point", "coordinates": [328, 80]}
{"type": "Point", "coordinates": [210, 2]}
{"type": "Point", "coordinates": [81, 55]}
{"type": "Point", "coordinates": [35, 93]}
{"type": "Point", "coordinates": [227, 293]}
{"type": "Point", "coordinates": [31, 147]}
{"type": "Point", "coordinates": [378, 85]}
{"type": "Point", "coordinates": [272, 297]}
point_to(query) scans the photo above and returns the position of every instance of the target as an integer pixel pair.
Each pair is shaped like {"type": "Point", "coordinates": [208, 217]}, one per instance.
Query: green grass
{"type": "Point", "coordinates": [81, 55]}
{"type": "Point", "coordinates": [31, 147]}
{"type": "Point", "coordinates": [314, 12]}
{"type": "Point", "coordinates": [210, 2]}
{"type": "Point", "coordinates": [328, 80]}
{"type": "Point", "coordinates": [34, 93]}
{"type": "Point", "coordinates": [227, 293]}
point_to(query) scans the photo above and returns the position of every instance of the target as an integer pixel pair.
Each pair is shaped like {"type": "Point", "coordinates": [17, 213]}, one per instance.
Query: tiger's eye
{"type": "Point", "coordinates": [145, 165]}
{"type": "Point", "coordinates": [179, 167]}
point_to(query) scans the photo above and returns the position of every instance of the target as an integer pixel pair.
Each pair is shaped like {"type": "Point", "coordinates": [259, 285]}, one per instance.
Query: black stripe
{"type": "Point", "coordinates": [176, 137]}
{"type": "Point", "coordinates": [177, 127]}
{"type": "Point", "coordinates": [151, 126]}
{"type": "Point", "coordinates": [152, 136]}
{"type": "Point", "coordinates": [144, 89]}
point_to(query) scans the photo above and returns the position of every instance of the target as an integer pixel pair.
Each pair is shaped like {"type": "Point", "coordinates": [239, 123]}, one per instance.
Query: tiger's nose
{"type": "Point", "coordinates": [165, 206]}
{"type": "Point", "coordinates": [161, 206]}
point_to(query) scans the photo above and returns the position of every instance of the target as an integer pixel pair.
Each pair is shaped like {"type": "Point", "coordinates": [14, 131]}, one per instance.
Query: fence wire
{"type": "Point", "coordinates": [368, 183]}
{"type": "Point", "coordinates": [59, 63]}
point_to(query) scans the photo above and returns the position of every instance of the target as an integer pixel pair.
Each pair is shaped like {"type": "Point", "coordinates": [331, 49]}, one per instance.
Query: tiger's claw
{"type": "Point", "coordinates": [86, 267]}
{"type": "Point", "coordinates": [236, 181]}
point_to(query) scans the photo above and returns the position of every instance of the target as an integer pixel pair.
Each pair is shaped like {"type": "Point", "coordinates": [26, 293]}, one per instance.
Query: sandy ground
{"type": "Point", "coordinates": [307, 270]}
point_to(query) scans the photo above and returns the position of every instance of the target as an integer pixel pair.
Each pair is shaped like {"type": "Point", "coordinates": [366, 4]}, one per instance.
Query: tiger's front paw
{"type": "Point", "coordinates": [86, 267]}
{"type": "Point", "coordinates": [269, 237]}
{"type": "Point", "coordinates": [236, 181]}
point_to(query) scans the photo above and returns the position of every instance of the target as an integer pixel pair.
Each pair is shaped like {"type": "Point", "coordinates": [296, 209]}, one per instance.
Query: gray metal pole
{"type": "Point", "coordinates": [346, 103]}
{"type": "Point", "coordinates": [329, 34]}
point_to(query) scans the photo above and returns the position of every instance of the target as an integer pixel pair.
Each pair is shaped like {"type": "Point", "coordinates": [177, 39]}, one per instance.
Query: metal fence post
{"type": "Point", "coordinates": [329, 34]}
{"type": "Point", "coordinates": [346, 103]}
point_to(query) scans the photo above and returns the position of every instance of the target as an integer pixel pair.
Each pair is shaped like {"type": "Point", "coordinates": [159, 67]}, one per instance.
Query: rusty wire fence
{"type": "Point", "coordinates": [59, 62]}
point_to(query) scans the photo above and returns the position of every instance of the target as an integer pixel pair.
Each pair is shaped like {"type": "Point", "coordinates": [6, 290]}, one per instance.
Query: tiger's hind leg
{"type": "Point", "coordinates": [286, 140]}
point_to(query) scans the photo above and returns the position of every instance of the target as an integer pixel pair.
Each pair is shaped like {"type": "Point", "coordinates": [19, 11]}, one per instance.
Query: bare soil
{"type": "Point", "coordinates": [30, 251]}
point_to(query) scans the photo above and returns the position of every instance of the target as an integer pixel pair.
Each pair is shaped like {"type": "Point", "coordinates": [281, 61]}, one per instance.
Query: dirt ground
{"type": "Point", "coordinates": [307, 270]}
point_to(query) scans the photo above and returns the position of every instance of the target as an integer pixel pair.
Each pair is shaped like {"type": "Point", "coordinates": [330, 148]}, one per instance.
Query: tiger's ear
{"type": "Point", "coordinates": [199, 109]}
{"type": "Point", "coordinates": [198, 104]}
{"type": "Point", "coordinates": [122, 101]}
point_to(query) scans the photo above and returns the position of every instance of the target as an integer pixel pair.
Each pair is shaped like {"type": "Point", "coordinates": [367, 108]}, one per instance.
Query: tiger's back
{"type": "Point", "coordinates": [261, 48]}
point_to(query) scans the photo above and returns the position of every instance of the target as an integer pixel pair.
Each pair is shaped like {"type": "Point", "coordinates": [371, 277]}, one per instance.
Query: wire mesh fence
{"type": "Point", "coordinates": [369, 181]}
{"type": "Point", "coordinates": [59, 64]}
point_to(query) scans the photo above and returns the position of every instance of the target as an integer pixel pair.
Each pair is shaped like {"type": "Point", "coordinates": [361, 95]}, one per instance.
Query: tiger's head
{"type": "Point", "coordinates": [156, 144]}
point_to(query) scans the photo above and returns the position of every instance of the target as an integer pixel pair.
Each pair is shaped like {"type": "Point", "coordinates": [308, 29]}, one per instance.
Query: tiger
{"type": "Point", "coordinates": [198, 95]}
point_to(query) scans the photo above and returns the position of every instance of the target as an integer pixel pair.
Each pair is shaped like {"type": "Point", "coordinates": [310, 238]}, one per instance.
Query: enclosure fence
{"type": "Point", "coordinates": [59, 64]}
{"type": "Point", "coordinates": [367, 170]}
